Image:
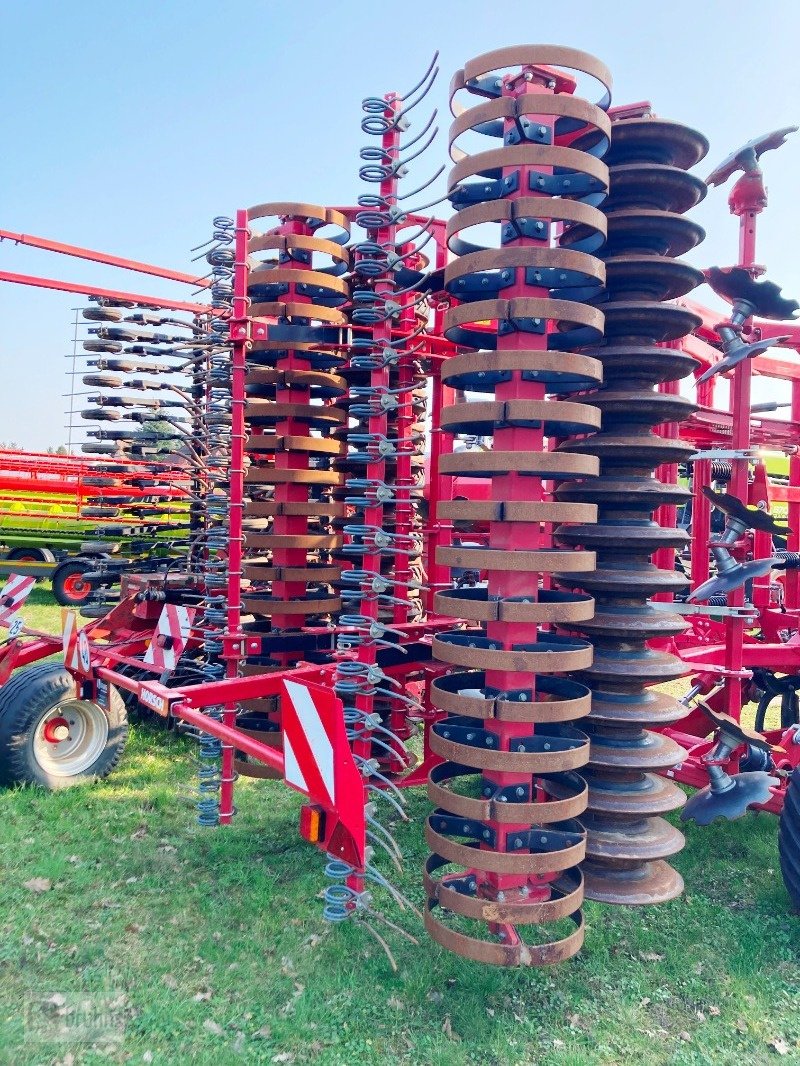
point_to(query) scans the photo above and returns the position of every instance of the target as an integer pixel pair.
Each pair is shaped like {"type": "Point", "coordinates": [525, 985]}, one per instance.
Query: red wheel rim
{"type": "Point", "coordinates": [75, 587]}
{"type": "Point", "coordinates": [26, 558]}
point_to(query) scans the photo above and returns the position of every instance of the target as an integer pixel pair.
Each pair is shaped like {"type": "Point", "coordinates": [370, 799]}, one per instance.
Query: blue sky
{"type": "Point", "coordinates": [126, 127]}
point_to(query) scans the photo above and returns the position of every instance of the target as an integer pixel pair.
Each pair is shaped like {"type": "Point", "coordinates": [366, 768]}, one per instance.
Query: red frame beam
{"type": "Point", "coordinates": [101, 257]}
{"type": "Point", "coordinates": [110, 294]}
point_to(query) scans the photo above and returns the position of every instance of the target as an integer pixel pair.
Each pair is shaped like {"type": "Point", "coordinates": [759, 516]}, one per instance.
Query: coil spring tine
{"type": "Point", "coordinates": [376, 840]}
{"type": "Point", "coordinates": [389, 799]}
{"type": "Point", "coordinates": [368, 768]}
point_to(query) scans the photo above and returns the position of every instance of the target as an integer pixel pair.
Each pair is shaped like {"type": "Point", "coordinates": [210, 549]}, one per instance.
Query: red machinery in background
{"type": "Point", "coordinates": [374, 594]}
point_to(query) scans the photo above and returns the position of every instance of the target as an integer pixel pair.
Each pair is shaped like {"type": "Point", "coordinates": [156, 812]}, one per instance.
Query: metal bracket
{"type": "Point", "coordinates": [724, 453]}
{"type": "Point", "coordinates": [750, 613]}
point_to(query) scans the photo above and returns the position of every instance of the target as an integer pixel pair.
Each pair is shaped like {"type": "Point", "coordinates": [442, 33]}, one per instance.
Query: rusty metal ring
{"type": "Point", "coordinates": [294, 309]}
{"type": "Point", "coordinates": [549, 605]}
{"type": "Point", "coordinates": [466, 695]}
{"type": "Point", "coordinates": [269, 475]}
{"type": "Point", "coordinates": [525, 207]}
{"type": "Point", "coordinates": [487, 117]}
{"type": "Point", "coordinates": [286, 243]}
{"type": "Point", "coordinates": [312, 509]}
{"type": "Point", "coordinates": [543, 561]}
{"type": "Point", "coordinates": [315, 414]}
{"type": "Point", "coordinates": [269, 274]}
{"type": "Point", "coordinates": [554, 758]}
{"type": "Point", "coordinates": [577, 323]}
{"type": "Point", "coordinates": [279, 443]}
{"type": "Point", "coordinates": [533, 55]}
{"type": "Point", "coordinates": [311, 214]}
{"type": "Point", "coordinates": [540, 156]}
{"type": "Point", "coordinates": [518, 954]}
{"type": "Point", "coordinates": [546, 465]}
{"type": "Point", "coordinates": [481, 371]}
{"type": "Point", "coordinates": [491, 414]}
{"type": "Point", "coordinates": [266, 606]}
{"type": "Point", "coordinates": [334, 384]}
{"type": "Point", "coordinates": [568, 889]}
{"type": "Point", "coordinates": [256, 571]}
{"type": "Point", "coordinates": [459, 510]}
{"type": "Point", "coordinates": [584, 267]}
{"type": "Point", "coordinates": [308, 542]}
{"type": "Point", "coordinates": [569, 790]}
{"type": "Point", "coordinates": [551, 654]}
{"type": "Point", "coordinates": [502, 862]}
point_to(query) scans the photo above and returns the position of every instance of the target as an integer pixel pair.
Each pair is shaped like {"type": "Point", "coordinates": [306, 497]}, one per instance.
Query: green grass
{"type": "Point", "coordinates": [160, 941]}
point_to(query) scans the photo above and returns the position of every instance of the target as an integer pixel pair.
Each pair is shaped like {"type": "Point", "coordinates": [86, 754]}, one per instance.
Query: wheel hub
{"type": "Point", "coordinates": [70, 738]}
{"type": "Point", "coordinates": [56, 730]}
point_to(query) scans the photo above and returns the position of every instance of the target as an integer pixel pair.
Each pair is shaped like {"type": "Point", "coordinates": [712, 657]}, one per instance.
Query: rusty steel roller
{"type": "Point", "coordinates": [628, 839]}
{"type": "Point", "coordinates": [297, 285]}
{"type": "Point", "coordinates": [506, 840]}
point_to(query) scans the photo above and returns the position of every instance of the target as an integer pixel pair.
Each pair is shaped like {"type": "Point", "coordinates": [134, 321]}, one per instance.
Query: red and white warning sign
{"type": "Point", "coordinates": [318, 762]}
{"type": "Point", "coordinates": [170, 637]}
{"type": "Point", "coordinates": [77, 653]}
{"type": "Point", "coordinates": [308, 746]}
{"type": "Point", "coordinates": [12, 596]}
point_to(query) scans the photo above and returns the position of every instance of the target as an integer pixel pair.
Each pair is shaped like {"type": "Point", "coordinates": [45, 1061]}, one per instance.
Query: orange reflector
{"type": "Point", "coordinates": [312, 823]}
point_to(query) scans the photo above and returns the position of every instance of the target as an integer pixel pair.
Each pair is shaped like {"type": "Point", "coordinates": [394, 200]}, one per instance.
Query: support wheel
{"type": "Point", "coordinates": [50, 738]}
{"type": "Point", "coordinates": [789, 839]}
{"type": "Point", "coordinates": [70, 588]}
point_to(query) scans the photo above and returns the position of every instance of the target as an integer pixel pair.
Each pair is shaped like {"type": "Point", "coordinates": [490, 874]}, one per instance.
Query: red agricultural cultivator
{"type": "Point", "coordinates": [438, 523]}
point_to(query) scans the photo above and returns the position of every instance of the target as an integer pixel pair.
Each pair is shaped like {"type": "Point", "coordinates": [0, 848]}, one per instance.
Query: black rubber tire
{"type": "Point", "coordinates": [61, 576]}
{"type": "Point", "coordinates": [35, 555]}
{"type": "Point", "coordinates": [789, 839]}
{"type": "Point", "coordinates": [30, 694]}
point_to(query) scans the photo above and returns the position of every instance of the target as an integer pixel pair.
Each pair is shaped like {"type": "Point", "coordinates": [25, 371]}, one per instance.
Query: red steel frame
{"type": "Point", "coordinates": [716, 649]}
{"type": "Point", "coordinates": [724, 652]}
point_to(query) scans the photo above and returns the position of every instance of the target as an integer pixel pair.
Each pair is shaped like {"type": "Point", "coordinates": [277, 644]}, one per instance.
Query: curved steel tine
{"type": "Point", "coordinates": [373, 771]}
{"type": "Point", "coordinates": [421, 81]}
{"type": "Point", "coordinates": [403, 901]}
{"type": "Point", "coordinates": [387, 836]}
{"type": "Point", "coordinates": [423, 187]}
{"type": "Point", "coordinates": [398, 929]}
{"type": "Point", "coordinates": [422, 91]}
{"type": "Point", "coordinates": [386, 949]}
{"type": "Point", "coordinates": [377, 841]}
{"type": "Point", "coordinates": [383, 832]}
{"type": "Point", "coordinates": [385, 795]}
{"type": "Point", "coordinates": [421, 134]}
{"type": "Point", "coordinates": [419, 151]}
